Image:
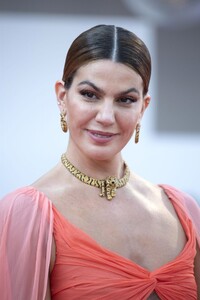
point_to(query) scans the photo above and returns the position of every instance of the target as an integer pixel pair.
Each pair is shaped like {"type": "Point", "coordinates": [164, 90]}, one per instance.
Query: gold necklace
{"type": "Point", "coordinates": [108, 186]}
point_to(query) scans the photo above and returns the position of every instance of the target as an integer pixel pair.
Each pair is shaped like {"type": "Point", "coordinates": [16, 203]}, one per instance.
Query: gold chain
{"type": "Point", "coordinates": [108, 186]}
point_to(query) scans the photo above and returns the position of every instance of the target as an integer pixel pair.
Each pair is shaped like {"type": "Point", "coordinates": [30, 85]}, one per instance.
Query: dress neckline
{"type": "Point", "coordinates": [121, 258]}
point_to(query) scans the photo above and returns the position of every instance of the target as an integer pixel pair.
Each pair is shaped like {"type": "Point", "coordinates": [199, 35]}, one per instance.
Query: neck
{"type": "Point", "coordinates": [107, 185]}
{"type": "Point", "coordinates": [97, 168]}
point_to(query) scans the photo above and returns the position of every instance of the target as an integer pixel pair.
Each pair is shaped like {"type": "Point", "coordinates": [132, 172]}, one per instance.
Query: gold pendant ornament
{"type": "Point", "coordinates": [137, 133]}
{"type": "Point", "coordinates": [107, 186]}
{"type": "Point", "coordinates": [63, 122]}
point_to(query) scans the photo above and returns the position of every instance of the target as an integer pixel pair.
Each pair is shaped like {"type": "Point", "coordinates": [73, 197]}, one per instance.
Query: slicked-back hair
{"type": "Point", "coordinates": [108, 42]}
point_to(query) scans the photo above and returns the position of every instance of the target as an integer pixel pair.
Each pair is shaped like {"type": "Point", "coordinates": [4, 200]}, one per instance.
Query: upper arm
{"type": "Point", "coordinates": [52, 261]}
{"type": "Point", "coordinates": [26, 222]}
{"type": "Point", "coordinates": [48, 292]}
{"type": "Point", "coordinates": [197, 270]}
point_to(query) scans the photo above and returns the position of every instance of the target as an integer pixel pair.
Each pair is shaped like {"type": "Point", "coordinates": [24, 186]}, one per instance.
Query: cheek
{"type": "Point", "coordinates": [78, 114]}
{"type": "Point", "coordinates": [129, 126]}
{"type": "Point", "coordinates": [128, 121]}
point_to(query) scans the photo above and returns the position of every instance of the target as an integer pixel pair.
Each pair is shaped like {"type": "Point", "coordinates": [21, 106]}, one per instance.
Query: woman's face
{"type": "Point", "coordinates": [103, 106]}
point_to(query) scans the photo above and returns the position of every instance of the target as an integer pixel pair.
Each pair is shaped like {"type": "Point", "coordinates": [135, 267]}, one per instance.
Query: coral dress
{"type": "Point", "coordinates": [83, 269]}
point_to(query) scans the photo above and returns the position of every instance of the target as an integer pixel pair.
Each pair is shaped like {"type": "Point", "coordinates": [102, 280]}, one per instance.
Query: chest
{"type": "Point", "coordinates": [148, 236]}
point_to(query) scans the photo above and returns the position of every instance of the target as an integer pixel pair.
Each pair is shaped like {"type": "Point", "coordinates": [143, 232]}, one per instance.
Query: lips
{"type": "Point", "coordinates": [101, 136]}
{"type": "Point", "coordinates": [101, 133]}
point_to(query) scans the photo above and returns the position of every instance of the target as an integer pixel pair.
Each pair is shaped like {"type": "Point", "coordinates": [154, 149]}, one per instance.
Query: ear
{"type": "Point", "coordinates": [145, 104]}
{"type": "Point", "coordinates": [61, 94]}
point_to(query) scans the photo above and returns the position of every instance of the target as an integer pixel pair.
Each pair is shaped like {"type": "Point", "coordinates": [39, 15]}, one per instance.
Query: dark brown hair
{"type": "Point", "coordinates": [108, 42]}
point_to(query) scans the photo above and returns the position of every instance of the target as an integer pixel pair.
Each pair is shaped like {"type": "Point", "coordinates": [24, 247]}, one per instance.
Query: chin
{"type": "Point", "coordinates": [100, 155]}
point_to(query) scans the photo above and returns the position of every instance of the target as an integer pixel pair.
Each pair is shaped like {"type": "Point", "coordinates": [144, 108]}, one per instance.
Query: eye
{"type": "Point", "coordinates": [126, 100]}
{"type": "Point", "coordinates": [89, 95]}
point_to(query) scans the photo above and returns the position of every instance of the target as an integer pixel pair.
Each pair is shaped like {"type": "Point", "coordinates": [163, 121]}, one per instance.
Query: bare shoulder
{"type": "Point", "coordinates": [159, 206]}
{"type": "Point", "coordinates": [51, 183]}
{"type": "Point", "coordinates": [152, 192]}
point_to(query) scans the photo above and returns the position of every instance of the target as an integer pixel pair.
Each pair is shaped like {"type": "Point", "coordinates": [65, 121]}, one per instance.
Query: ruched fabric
{"type": "Point", "coordinates": [85, 270]}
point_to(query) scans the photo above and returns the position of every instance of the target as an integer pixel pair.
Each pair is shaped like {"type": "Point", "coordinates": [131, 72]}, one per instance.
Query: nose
{"type": "Point", "coordinates": [105, 114]}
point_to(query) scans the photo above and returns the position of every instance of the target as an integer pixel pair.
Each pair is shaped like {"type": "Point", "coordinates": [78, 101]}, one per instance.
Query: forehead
{"type": "Point", "coordinates": [109, 71]}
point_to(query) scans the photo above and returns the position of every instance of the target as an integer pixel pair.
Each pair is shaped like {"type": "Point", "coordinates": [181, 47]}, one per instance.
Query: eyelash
{"type": "Point", "coordinates": [128, 100]}
{"type": "Point", "coordinates": [91, 96]}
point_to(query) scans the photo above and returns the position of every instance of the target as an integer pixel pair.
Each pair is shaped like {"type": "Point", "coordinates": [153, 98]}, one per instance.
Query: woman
{"type": "Point", "coordinates": [90, 228]}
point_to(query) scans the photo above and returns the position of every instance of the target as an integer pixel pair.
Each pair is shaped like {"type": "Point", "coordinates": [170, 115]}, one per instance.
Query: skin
{"type": "Point", "coordinates": [104, 109]}
{"type": "Point", "coordinates": [102, 117]}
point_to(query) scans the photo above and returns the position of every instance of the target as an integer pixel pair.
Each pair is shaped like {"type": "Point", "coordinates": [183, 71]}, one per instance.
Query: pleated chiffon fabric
{"type": "Point", "coordinates": [26, 222]}
{"type": "Point", "coordinates": [83, 269]}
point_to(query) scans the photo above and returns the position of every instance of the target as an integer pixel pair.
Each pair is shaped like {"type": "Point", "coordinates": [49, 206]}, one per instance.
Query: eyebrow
{"type": "Point", "coordinates": [92, 85]}
{"type": "Point", "coordinates": [101, 91]}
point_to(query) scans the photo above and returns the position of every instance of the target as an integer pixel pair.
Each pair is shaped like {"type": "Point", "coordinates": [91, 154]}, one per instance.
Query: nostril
{"type": "Point", "coordinates": [106, 117]}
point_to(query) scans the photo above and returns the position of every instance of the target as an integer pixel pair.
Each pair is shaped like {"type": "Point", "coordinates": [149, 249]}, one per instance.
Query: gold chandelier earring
{"type": "Point", "coordinates": [63, 122]}
{"type": "Point", "coordinates": [137, 133]}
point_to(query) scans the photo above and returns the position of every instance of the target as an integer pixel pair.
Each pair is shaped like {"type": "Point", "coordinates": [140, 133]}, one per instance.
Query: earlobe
{"type": "Point", "coordinates": [147, 100]}
{"type": "Point", "coordinates": [60, 94]}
